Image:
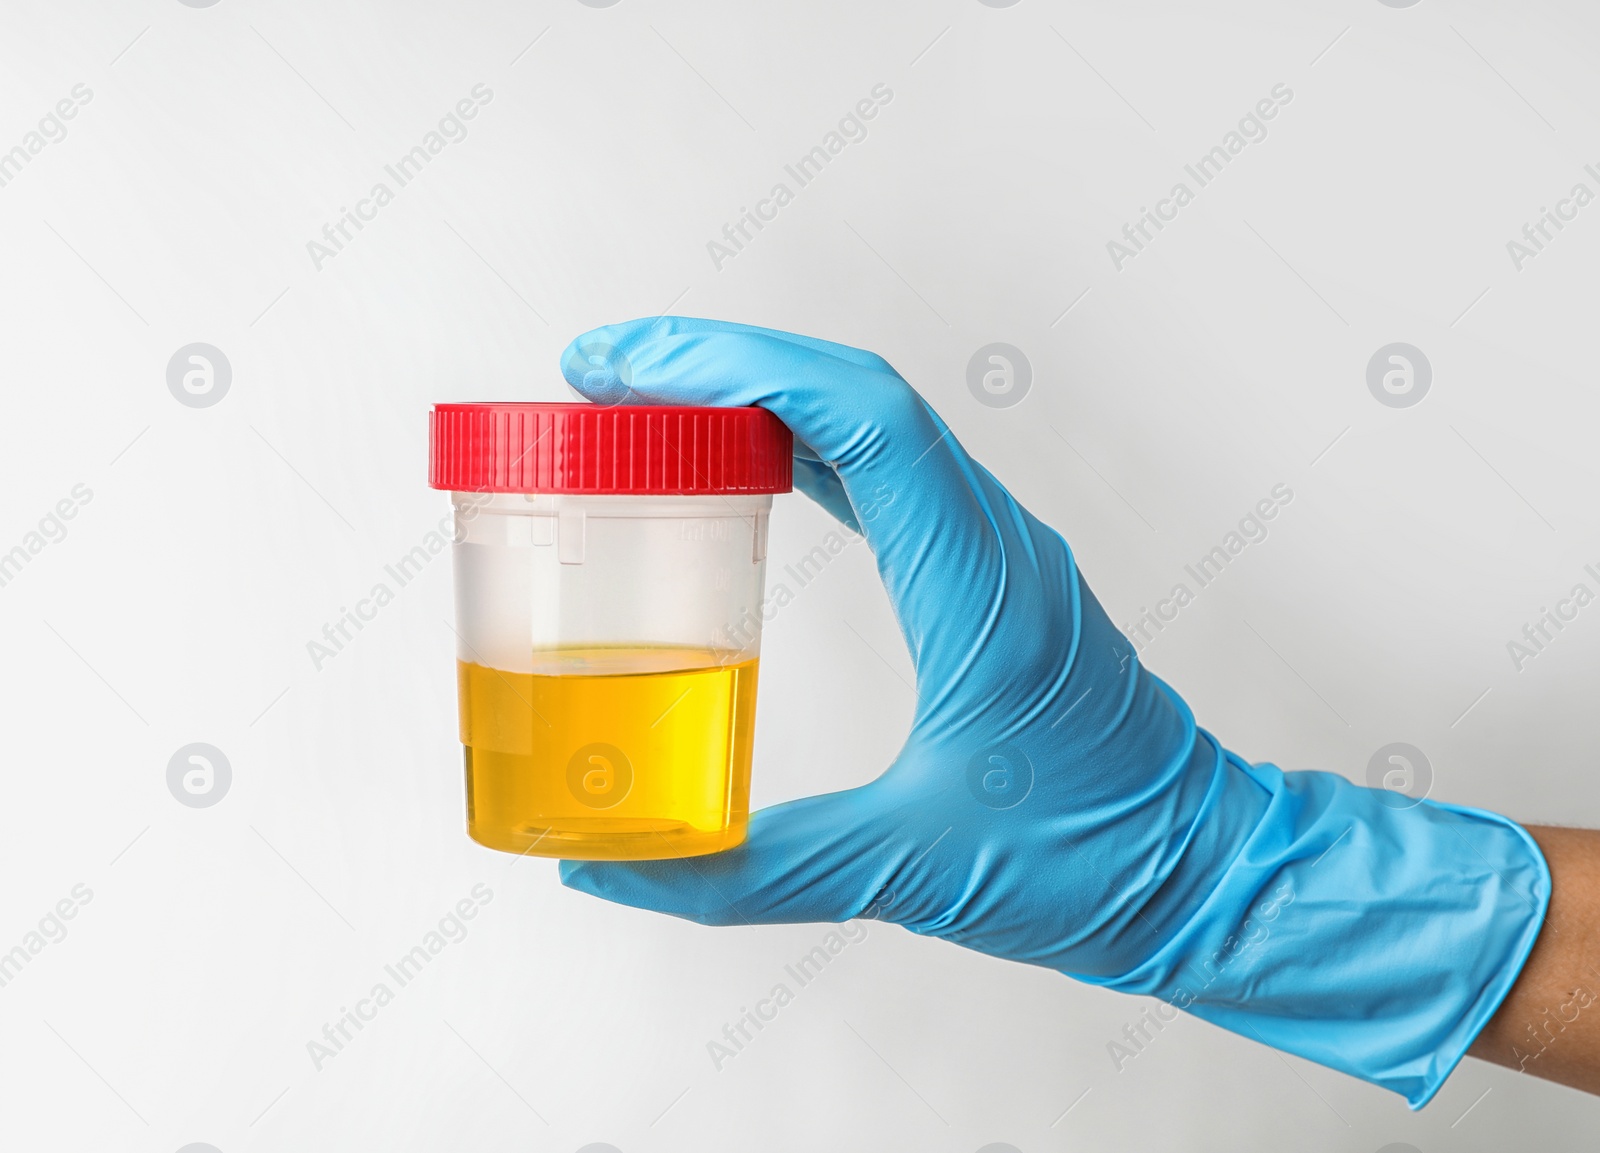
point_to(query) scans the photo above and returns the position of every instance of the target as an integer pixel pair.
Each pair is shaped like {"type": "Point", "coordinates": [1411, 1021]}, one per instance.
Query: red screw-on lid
{"type": "Point", "coordinates": [623, 449]}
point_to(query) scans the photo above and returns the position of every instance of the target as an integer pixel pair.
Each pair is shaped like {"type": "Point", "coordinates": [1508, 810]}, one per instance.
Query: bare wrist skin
{"type": "Point", "coordinates": [1549, 1025]}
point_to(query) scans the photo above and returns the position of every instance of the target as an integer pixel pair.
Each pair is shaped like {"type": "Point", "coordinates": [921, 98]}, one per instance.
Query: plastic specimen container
{"type": "Point", "coordinates": [610, 565]}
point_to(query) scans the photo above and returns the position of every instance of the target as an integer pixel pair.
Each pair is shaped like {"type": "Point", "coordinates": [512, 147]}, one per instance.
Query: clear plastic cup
{"type": "Point", "coordinates": [610, 565]}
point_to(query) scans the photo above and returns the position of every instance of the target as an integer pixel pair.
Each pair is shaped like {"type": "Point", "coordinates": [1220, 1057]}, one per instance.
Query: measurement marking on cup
{"type": "Point", "coordinates": [519, 696]}
{"type": "Point", "coordinates": [672, 706]}
{"type": "Point", "coordinates": [485, 664]}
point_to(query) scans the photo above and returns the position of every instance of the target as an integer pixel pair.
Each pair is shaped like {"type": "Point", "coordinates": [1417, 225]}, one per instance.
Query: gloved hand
{"type": "Point", "coordinates": [1054, 802]}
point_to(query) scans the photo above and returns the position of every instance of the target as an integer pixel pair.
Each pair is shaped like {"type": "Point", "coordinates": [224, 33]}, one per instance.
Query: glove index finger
{"type": "Point", "coordinates": [915, 492]}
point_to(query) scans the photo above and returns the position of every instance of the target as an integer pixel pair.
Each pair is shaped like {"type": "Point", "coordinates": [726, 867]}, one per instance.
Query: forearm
{"type": "Point", "coordinates": [1549, 1025]}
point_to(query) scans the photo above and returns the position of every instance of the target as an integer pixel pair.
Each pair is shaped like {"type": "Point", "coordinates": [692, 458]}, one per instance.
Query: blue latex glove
{"type": "Point", "coordinates": [1055, 802]}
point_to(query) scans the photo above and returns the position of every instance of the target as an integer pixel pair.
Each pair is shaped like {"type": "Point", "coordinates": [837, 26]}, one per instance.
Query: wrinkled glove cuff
{"type": "Point", "coordinates": [1374, 939]}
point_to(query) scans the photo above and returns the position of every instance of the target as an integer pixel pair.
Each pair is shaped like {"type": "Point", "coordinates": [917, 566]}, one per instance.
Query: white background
{"type": "Point", "coordinates": [1228, 357]}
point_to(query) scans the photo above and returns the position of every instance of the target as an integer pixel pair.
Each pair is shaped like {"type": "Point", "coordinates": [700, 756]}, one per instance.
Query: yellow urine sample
{"type": "Point", "coordinates": [610, 754]}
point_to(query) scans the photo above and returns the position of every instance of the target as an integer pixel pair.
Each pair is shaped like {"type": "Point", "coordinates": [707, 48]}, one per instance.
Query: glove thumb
{"type": "Point", "coordinates": [815, 859]}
